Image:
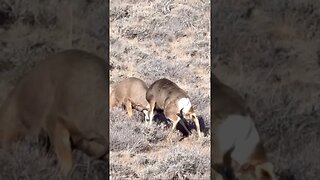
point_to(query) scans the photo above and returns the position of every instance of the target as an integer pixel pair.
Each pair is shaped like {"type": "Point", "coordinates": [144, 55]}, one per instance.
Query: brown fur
{"type": "Point", "coordinates": [131, 93]}
{"type": "Point", "coordinates": [164, 94]}
{"type": "Point", "coordinates": [64, 96]}
{"type": "Point", "coordinates": [226, 102]}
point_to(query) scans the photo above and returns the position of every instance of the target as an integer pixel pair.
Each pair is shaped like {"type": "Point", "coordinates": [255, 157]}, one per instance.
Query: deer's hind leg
{"type": "Point", "coordinates": [12, 135]}
{"type": "Point", "coordinates": [60, 138]}
{"type": "Point", "coordinates": [196, 121]}
{"type": "Point", "coordinates": [152, 103]}
{"type": "Point", "coordinates": [171, 113]}
{"type": "Point", "coordinates": [146, 115]}
{"type": "Point", "coordinates": [128, 106]}
{"type": "Point", "coordinates": [174, 118]}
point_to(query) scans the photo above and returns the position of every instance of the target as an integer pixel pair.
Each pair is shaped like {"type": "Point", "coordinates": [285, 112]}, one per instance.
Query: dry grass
{"type": "Point", "coordinates": [29, 159]}
{"type": "Point", "coordinates": [140, 151]}
{"type": "Point", "coordinates": [151, 40]}
{"type": "Point", "coordinates": [268, 50]}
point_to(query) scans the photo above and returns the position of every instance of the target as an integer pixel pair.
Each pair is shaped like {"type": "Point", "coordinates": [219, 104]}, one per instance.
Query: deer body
{"type": "Point", "coordinates": [65, 97]}
{"type": "Point", "coordinates": [131, 92]}
{"type": "Point", "coordinates": [168, 96]}
{"type": "Point", "coordinates": [234, 129]}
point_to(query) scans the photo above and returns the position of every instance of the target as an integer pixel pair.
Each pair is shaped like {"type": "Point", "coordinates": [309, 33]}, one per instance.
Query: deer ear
{"type": "Point", "coordinates": [265, 170]}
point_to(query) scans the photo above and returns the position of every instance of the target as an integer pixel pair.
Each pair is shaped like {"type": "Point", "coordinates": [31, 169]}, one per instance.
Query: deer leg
{"type": "Point", "coordinates": [128, 107]}
{"type": "Point", "coordinates": [174, 119]}
{"type": "Point", "coordinates": [11, 136]}
{"type": "Point", "coordinates": [60, 138]}
{"type": "Point", "coordinates": [152, 103]}
{"type": "Point", "coordinates": [175, 124]}
{"type": "Point", "coordinates": [146, 116]}
{"type": "Point", "coordinates": [196, 121]}
{"type": "Point", "coordinates": [13, 131]}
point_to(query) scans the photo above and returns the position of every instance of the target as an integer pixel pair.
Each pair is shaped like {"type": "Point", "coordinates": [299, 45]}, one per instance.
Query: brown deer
{"type": "Point", "coordinates": [64, 96]}
{"type": "Point", "coordinates": [234, 129]}
{"type": "Point", "coordinates": [131, 93]}
{"type": "Point", "coordinates": [168, 96]}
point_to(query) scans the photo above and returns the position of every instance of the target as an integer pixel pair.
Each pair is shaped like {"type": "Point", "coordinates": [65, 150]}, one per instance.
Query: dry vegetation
{"type": "Point", "coordinates": [151, 40]}
{"type": "Point", "coordinates": [29, 32]}
{"type": "Point", "coordinates": [269, 51]}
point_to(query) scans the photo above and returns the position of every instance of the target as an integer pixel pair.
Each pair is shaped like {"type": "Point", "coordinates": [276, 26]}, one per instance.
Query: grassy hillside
{"type": "Point", "coordinates": [151, 40]}
{"type": "Point", "coordinates": [269, 51]}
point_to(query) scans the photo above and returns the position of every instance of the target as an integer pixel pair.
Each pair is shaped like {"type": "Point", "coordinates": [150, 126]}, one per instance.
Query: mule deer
{"type": "Point", "coordinates": [165, 94]}
{"type": "Point", "coordinates": [233, 127]}
{"type": "Point", "coordinates": [131, 93]}
{"type": "Point", "coordinates": [65, 97]}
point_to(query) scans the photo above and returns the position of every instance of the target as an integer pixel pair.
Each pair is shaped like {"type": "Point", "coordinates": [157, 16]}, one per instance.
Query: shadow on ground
{"type": "Point", "coordinates": [159, 118]}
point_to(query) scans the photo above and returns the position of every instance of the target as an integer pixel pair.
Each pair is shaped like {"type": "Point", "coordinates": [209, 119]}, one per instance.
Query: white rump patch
{"type": "Point", "coordinates": [241, 132]}
{"type": "Point", "coordinates": [185, 104]}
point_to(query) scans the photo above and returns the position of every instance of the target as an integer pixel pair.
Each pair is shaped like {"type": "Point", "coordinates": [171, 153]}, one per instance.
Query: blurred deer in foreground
{"type": "Point", "coordinates": [168, 96]}
{"type": "Point", "coordinates": [234, 129]}
{"type": "Point", "coordinates": [131, 93]}
{"type": "Point", "coordinates": [64, 96]}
